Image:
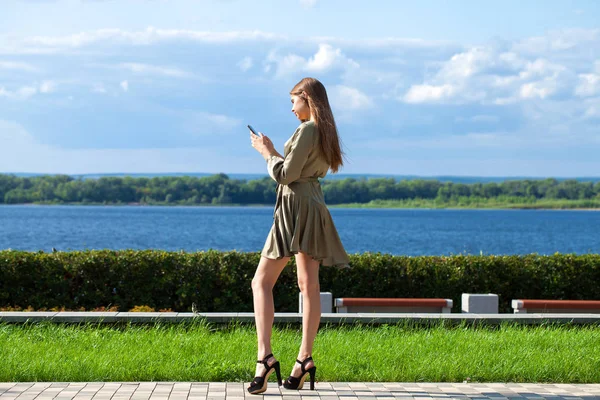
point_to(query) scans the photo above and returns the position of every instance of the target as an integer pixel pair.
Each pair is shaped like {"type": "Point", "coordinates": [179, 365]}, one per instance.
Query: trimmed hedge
{"type": "Point", "coordinates": [220, 281]}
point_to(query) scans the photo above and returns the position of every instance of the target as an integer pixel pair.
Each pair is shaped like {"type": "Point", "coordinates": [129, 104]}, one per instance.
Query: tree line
{"type": "Point", "coordinates": [220, 189]}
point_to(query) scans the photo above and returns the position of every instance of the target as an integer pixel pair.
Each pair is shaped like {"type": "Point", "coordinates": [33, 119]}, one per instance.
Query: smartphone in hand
{"type": "Point", "coordinates": [253, 131]}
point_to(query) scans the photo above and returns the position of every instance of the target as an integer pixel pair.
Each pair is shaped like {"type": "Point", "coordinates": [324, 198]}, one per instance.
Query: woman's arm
{"type": "Point", "coordinates": [264, 146]}
{"type": "Point", "coordinates": [274, 153]}
{"type": "Point", "coordinates": [286, 170]}
{"type": "Point", "coordinates": [268, 152]}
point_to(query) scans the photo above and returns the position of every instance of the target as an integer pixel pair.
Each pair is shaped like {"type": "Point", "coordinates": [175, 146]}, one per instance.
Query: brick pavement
{"type": "Point", "coordinates": [324, 391]}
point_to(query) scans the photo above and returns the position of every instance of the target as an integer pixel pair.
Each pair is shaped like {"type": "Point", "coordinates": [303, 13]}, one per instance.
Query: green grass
{"type": "Point", "coordinates": [477, 203]}
{"type": "Point", "coordinates": [199, 351]}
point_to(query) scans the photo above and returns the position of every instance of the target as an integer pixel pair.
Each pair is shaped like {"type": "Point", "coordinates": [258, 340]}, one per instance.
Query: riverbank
{"type": "Point", "coordinates": [576, 205]}
{"type": "Point", "coordinates": [504, 203]}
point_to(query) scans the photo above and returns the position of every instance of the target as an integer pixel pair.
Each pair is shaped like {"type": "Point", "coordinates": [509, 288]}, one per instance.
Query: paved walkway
{"type": "Point", "coordinates": [324, 391]}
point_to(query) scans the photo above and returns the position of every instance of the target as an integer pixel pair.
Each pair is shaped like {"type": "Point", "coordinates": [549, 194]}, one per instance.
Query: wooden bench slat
{"type": "Point", "coordinates": [582, 304]}
{"type": "Point", "coordinates": [391, 302]}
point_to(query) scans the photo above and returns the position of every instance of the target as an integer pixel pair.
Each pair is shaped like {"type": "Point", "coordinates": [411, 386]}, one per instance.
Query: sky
{"type": "Point", "coordinates": [462, 87]}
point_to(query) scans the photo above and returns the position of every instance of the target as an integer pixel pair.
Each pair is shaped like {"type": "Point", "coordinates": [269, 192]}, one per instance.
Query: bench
{"type": "Point", "coordinates": [556, 306]}
{"type": "Point", "coordinates": [392, 305]}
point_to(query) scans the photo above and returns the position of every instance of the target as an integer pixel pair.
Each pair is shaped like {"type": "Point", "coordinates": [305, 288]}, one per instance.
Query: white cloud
{"type": "Point", "coordinates": [538, 68]}
{"type": "Point", "coordinates": [466, 64]}
{"type": "Point", "coordinates": [589, 84]}
{"type": "Point", "coordinates": [15, 136]}
{"type": "Point", "coordinates": [345, 97]}
{"type": "Point", "coordinates": [205, 123]}
{"type": "Point", "coordinates": [21, 66]}
{"type": "Point", "coordinates": [537, 89]}
{"type": "Point", "coordinates": [21, 152]}
{"type": "Point", "coordinates": [48, 87]}
{"type": "Point", "coordinates": [25, 92]}
{"type": "Point", "coordinates": [479, 118]}
{"type": "Point", "coordinates": [98, 88]}
{"type": "Point", "coordinates": [592, 112]}
{"type": "Point", "coordinates": [501, 140]}
{"type": "Point", "coordinates": [146, 69]}
{"type": "Point", "coordinates": [429, 93]}
{"type": "Point", "coordinates": [308, 3]}
{"type": "Point", "coordinates": [22, 93]}
{"type": "Point", "coordinates": [245, 63]}
{"type": "Point", "coordinates": [557, 41]}
{"type": "Point", "coordinates": [325, 59]}
{"type": "Point", "coordinates": [541, 90]}
{"type": "Point", "coordinates": [486, 75]}
{"type": "Point", "coordinates": [155, 70]}
{"type": "Point", "coordinates": [151, 35]}
{"type": "Point", "coordinates": [287, 64]}
{"type": "Point", "coordinates": [453, 79]}
{"type": "Point", "coordinates": [592, 109]}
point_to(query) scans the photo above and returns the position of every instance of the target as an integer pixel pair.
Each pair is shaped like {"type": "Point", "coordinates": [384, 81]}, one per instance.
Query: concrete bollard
{"type": "Point", "coordinates": [476, 303]}
{"type": "Point", "coordinates": [326, 302]}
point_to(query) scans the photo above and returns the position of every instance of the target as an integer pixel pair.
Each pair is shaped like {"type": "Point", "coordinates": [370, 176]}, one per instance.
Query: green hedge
{"type": "Point", "coordinates": [220, 281]}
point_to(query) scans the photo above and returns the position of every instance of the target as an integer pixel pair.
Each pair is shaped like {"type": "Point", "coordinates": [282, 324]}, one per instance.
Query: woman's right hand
{"type": "Point", "coordinates": [262, 143]}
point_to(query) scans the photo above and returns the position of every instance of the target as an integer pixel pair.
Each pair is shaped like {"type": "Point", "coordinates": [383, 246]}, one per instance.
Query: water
{"type": "Point", "coordinates": [395, 231]}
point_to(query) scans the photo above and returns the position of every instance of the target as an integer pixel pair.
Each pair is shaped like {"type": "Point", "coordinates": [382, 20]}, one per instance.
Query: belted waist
{"type": "Point", "coordinates": [279, 187]}
{"type": "Point", "coordinates": [307, 179]}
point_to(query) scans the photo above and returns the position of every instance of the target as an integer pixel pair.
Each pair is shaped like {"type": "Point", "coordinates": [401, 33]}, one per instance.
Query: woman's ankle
{"type": "Point", "coordinates": [304, 356]}
{"type": "Point", "coordinates": [262, 355]}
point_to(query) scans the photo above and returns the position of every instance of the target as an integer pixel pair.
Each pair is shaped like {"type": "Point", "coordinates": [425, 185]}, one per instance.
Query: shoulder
{"type": "Point", "coordinates": [310, 125]}
{"type": "Point", "coordinates": [304, 135]}
{"type": "Point", "coordinates": [307, 128]}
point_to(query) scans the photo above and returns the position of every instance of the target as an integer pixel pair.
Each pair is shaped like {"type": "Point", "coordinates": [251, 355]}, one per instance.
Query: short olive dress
{"type": "Point", "coordinates": [301, 220]}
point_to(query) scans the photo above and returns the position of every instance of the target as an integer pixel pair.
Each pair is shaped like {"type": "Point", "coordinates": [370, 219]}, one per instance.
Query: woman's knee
{"type": "Point", "coordinates": [267, 273]}
{"type": "Point", "coordinates": [259, 282]}
{"type": "Point", "coordinates": [308, 286]}
{"type": "Point", "coordinates": [308, 273]}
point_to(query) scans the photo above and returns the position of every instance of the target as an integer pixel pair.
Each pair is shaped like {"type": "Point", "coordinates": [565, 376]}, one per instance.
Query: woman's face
{"type": "Point", "coordinates": [300, 108]}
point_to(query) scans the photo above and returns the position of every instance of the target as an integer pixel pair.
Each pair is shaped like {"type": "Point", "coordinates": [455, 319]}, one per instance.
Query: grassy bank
{"type": "Point", "coordinates": [462, 203]}
{"type": "Point", "coordinates": [198, 351]}
{"type": "Point", "coordinates": [467, 203]}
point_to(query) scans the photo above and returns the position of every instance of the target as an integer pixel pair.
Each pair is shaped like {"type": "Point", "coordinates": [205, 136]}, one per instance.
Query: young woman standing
{"type": "Point", "coordinates": [302, 226]}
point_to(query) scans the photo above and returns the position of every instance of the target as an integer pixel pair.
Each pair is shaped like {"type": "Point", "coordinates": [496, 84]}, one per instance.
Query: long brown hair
{"type": "Point", "coordinates": [313, 91]}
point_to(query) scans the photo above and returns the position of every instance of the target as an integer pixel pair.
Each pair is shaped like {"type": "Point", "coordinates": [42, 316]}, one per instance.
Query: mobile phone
{"type": "Point", "coordinates": [253, 131]}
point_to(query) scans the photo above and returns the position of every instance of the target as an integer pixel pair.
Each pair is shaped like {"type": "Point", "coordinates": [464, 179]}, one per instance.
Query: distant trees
{"type": "Point", "coordinates": [220, 189]}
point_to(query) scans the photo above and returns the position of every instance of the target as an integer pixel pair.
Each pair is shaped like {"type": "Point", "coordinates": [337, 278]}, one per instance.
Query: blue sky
{"type": "Point", "coordinates": [494, 88]}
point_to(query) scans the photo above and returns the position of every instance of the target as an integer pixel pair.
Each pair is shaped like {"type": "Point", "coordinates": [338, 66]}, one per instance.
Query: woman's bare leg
{"type": "Point", "coordinates": [308, 282]}
{"type": "Point", "coordinates": [264, 310]}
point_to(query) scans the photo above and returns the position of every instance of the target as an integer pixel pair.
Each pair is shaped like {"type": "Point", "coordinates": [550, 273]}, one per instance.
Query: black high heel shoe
{"type": "Point", "coordinates": [297, 383]}
{"type": "Point", "coordinates": [259, 384]}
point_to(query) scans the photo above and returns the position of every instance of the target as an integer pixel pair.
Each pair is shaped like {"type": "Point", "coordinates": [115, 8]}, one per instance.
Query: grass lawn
{"type": "Point", "coordinates": [479, 203]}
{"type": "Point", "coordinates": [200, 351]}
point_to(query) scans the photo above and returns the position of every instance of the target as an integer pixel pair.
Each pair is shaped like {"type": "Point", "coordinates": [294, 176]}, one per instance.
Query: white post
{"type": "Point", "coordinates": [475, 303]}
{"type": "Point", "coordinates": [326, 302]}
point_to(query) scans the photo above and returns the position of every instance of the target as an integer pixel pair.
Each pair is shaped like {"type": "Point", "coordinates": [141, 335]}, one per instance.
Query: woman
{"type": "Point", "coordinates": [302, 225]}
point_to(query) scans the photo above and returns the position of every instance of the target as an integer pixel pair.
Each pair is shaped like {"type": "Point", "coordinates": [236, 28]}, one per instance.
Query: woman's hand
{"type": "Point", "coordinates": [262, 144]}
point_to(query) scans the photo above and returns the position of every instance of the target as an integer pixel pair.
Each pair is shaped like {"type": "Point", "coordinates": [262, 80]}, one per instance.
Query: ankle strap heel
{"type": "Point", "coordinates": [259, 383]}
{"type": "Point", "coordinates": [297, 383]}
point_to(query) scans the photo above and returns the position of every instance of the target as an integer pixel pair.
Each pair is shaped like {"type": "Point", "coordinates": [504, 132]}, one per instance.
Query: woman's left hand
{"type": "Point", "coordinates": [262, 144]}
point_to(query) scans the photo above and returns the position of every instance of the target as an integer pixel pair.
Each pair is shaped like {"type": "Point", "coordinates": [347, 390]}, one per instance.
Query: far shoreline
{"type": "Point", "coordinates": [346, 206]}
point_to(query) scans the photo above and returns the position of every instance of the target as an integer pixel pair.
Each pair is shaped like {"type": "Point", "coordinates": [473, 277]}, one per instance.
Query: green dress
{"type": "Point", "coordinates": [301, 220]}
